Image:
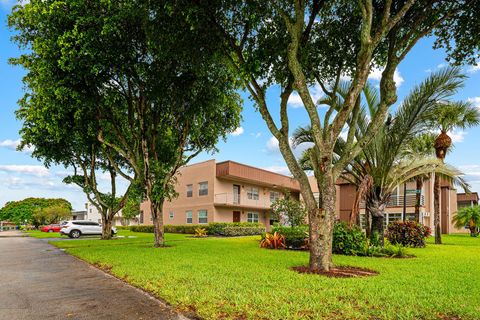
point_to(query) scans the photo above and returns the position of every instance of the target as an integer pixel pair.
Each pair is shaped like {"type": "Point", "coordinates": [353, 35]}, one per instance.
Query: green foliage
{"type": "Point", "coordinates": [388, 250]}
{"type": "Point", "coordinates": [237, 231]}
{"type": "Point", "coordinates": [289, 211]}
{"type": "Point", "coordinates": [468, 217]}
{"type": "Point", "coordinates": [347, 240]}
{"type": "Point", "coordinates": [218, 228]}
{"type": "Point", "coordinates": [407, 233]}
{"type": "Point", "coordinates": [20, 211]}
{"type": "Point", "coordinates": [295, 237]}
{"type": "Point", "coordinates": [49, 215]}
{"type": "Point", "coordinates": [188, 228]}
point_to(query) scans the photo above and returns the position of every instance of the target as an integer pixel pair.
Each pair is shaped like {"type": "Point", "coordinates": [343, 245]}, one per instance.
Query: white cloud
{"type": "Point", "coordinates": [376, 74]}
{"type": "Point", "coordinates": [272, 145]}
{"type": "Point", "coordinates": [256, 135]}
{"type": "Point", "coordinates": [35, 170]}
{"type": "Point", "coordinates": [237, 131]}
{"type": "Point", "coordinates": [441, 65]}
{"type": "Point", "coordinates": [279, 169]}
{"type": "Point", "coordinates": [457, 136]}
{"type": "Point", "coordinates": [474, 69]}
{"type": "Point", "coordinates": [13, 145]}
{"type": "Point", "coordinates": [475, 101]}
{"type": "Point", "coordinates": [295, 101]}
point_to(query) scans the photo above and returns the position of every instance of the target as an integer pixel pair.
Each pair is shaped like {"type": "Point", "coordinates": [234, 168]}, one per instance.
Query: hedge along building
{"type": "Point", "coordinates": [223, 192]}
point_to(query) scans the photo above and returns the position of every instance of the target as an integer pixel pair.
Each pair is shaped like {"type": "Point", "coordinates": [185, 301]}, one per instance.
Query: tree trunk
{"type": "Point", "coordinates": [106, 226]}
{"type": "Point", "coordinates": [436, 210]}
{"type": "Point", "coordinates": [157, 217]}
{"type": "Point", "coordinates": [368, 229]}
{"type": "Point", "coordinates": [418, 198]}
{"type": "Point", "coordinates": [377, 211]}
{"type": "Point", "coordinates": [321, 228]}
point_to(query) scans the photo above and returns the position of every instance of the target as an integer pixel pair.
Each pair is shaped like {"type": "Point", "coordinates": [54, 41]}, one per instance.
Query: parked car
{"type": "Point", "coordinates": [76, 228]}
{"type": "Point", "coordinates": [51, 228]}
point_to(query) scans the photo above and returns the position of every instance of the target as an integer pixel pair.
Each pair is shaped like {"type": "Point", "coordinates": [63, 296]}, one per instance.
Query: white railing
{"type": "Point", "coordinates": [238, 200]}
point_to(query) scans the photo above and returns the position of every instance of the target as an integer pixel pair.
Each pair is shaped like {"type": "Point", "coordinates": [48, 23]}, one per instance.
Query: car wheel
{"type": "Point", "coordinates": [75, 234]}
{"type": "Point", "coordinates": [113, 233]}
{"type": "Point", "coordinates": [50, 230]}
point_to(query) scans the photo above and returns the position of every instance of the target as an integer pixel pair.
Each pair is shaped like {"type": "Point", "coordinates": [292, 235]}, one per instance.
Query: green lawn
{"type": "Point", "coordinates": [235, 279]}
{"type": "Point", "coordinates": [41, 235]}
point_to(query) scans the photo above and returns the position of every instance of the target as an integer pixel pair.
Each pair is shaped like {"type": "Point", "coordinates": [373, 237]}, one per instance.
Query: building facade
{"type": "Point", "coordinates": [223, 192]}
{"type": "Point", "coordinates": [232, 192]}
{"type": "Point", "coordinates": [92, 214]}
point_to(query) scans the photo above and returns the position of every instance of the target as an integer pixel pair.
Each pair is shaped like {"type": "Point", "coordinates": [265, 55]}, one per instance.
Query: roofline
{"type": "Point", "coordinates": [265, 170]}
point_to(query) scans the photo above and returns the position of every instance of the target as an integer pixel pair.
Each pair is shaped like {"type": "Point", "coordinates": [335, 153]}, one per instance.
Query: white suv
{"type": "Point", "coordinates": [76, 228]}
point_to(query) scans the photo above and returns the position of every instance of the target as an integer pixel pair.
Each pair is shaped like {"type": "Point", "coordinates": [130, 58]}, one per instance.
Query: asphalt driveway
{"type": "Point", "coordinates": [38, 281]}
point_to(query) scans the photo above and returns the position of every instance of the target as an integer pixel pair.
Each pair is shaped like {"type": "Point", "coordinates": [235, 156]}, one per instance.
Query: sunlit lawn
{"type": "Point", "coordinates": [234, 278]}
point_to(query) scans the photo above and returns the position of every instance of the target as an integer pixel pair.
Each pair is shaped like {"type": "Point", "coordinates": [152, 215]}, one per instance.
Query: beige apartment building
{"type": "Point", "coordinates": [232, 192]}
{"type": "Point", "coordinates": [223, 192]}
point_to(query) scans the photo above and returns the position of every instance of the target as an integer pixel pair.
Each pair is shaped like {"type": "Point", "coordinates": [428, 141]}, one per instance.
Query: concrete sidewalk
{"type": "Point", "coordinates": [38, 281]}
{"type": "Point", "coordinates": [11, 233]}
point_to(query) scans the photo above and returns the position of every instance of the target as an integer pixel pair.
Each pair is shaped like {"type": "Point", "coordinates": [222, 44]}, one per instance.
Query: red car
{"type": "Point", "coordinates": [51, 228]}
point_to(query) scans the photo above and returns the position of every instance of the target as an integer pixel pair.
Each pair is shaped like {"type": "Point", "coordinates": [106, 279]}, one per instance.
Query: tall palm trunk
{"type": "Point", "coordinates": [442, 143]}
{"type": "Point", "coordinates": [418, 197]}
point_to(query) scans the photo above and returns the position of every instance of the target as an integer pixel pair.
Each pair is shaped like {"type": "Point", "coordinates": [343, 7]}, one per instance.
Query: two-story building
{"type": "Point", "coordinates": [232, 192]}
{"type": "Point", "coordinates": [223, 192]}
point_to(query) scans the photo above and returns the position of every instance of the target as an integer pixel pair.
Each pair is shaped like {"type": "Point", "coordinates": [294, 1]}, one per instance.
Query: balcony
{"type": "Point", "coordinates": [234, 200]}
{"type": "Point", "coordinates": [397, 201]}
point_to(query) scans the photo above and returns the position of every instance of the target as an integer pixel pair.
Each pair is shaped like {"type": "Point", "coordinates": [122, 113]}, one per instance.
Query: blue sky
{"type": "Point", "coordinates": [21, 176]}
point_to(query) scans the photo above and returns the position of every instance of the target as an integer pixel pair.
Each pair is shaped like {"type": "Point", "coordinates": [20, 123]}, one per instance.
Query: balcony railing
{"type": "Point", "coordinates": [243, 201]}
{"type": "Point", "coordinates": [397, 201]}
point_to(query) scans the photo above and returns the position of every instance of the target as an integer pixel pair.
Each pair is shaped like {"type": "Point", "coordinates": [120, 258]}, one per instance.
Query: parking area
{"type": "Point", "coordinates": [39, 281]}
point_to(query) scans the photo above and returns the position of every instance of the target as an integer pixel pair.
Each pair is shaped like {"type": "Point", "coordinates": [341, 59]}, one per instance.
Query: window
{"type": "Point", "coordinates": [203, 188]}
{"type": "Point", "coordinates": [171, 215]}
{"type": "Point", "coordinates": [391, 217]}
{"type": "Point", "coordinates": [189, 190]}
{"type": "Point", "coordinates": [202, 216]}
{"type": "Point", "coordinates": [274, 196]}
{"type": "Point", "coordinates": [252, 217]}
{"type": "Point", "coordinates": [252, 193]}
{"type": "Point", "coordinates": [189, 216]}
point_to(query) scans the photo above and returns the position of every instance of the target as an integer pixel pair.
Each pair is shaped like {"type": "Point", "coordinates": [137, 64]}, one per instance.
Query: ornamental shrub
{"type": "Point", "coordinates": [295, 237]}
{"type": "Point", "coordinates": [407, 233]}
{"type": "Point", "coordinates": [187, 229]}
{"type": "Point", "coordinates": [218, 228]}
{"type": "Point", "coordinates": [349, 240]}
{"type": "Point", "coordinates": [242, 231]}
{"type": "Point", "coordinates": [142, 228]}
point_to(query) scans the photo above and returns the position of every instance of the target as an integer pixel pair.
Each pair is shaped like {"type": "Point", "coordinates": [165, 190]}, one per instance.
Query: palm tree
{"type": "Point", "coordinates": [469, 216]}
{"type": "Point", "coordinates": [382, 161]}
{"type": "Point", "coordinates": [421, 145]}
{"type": "Point", "coordinates": [449, 115]}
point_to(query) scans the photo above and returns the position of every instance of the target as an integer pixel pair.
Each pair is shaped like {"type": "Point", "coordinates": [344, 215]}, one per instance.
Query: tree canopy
{"type": "Point", "coordinates": [22, 211]}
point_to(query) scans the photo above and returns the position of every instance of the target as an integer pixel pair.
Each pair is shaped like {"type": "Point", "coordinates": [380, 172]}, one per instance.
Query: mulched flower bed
{"type": "Point", "coordinates": [339, 272]}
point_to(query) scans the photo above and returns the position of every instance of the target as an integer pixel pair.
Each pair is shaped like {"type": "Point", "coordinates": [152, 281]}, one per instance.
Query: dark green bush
{"type": "Point", "coordinates": [407, 233]}
{"type": "Point", "coordinates": [218, 228]}
{"type": "Point", "coordinates": [187, 229]}
{"type": "Point", "coordinates": [349, 241]}
{"type": "Point", "coordinates": [123, 227]}
{"type": "Point", "coordinates": [242, 231]}
{"type": "Point", "coordinates": [295, 238]}
{"type": "Point", "coordinates": [142, 228]}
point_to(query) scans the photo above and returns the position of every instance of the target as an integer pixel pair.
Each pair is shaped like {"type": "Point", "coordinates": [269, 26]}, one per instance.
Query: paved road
{"type": "Point", "coordinates": [38, 281]}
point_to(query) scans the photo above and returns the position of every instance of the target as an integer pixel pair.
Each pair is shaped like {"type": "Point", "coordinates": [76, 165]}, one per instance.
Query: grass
{"type": "Point", "coordinates": [42, 235]}
{"type": "Point", "coordinates": [232, 278]}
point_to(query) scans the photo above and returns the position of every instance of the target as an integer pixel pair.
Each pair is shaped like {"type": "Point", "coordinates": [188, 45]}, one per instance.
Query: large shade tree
{"type": "Point", "coordinates": [383, 162]}
{"type": "Point", "coordinates": [157, 88]}
{"type": "Point", "coordinates": [299, 44]}
{"type": "Point", "coordinates": [22, 211]}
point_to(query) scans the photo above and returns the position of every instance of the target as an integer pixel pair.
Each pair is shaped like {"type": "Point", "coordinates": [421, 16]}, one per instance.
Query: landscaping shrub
{"type": "Point", "coordinates": [142, 228]}
{"type": "Point", "coordinates": [200, 232]}
{"type": "Point", "coordinates": [242, 231]}
{"type": "Point", "coordinates": [349, 241]}
{"type": "Point", "coordinates": [218, 228]}
{"type": "Point", "coordinates": [407, 233]}
{"type": "Point", "coordinates": [272, 241]}
{"type": "Point", "coordinates": [122, 227]}
{"type": "Point", "coordinates": [187, 229]}
{"type": "Point", "coordinates": [295, 238]}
